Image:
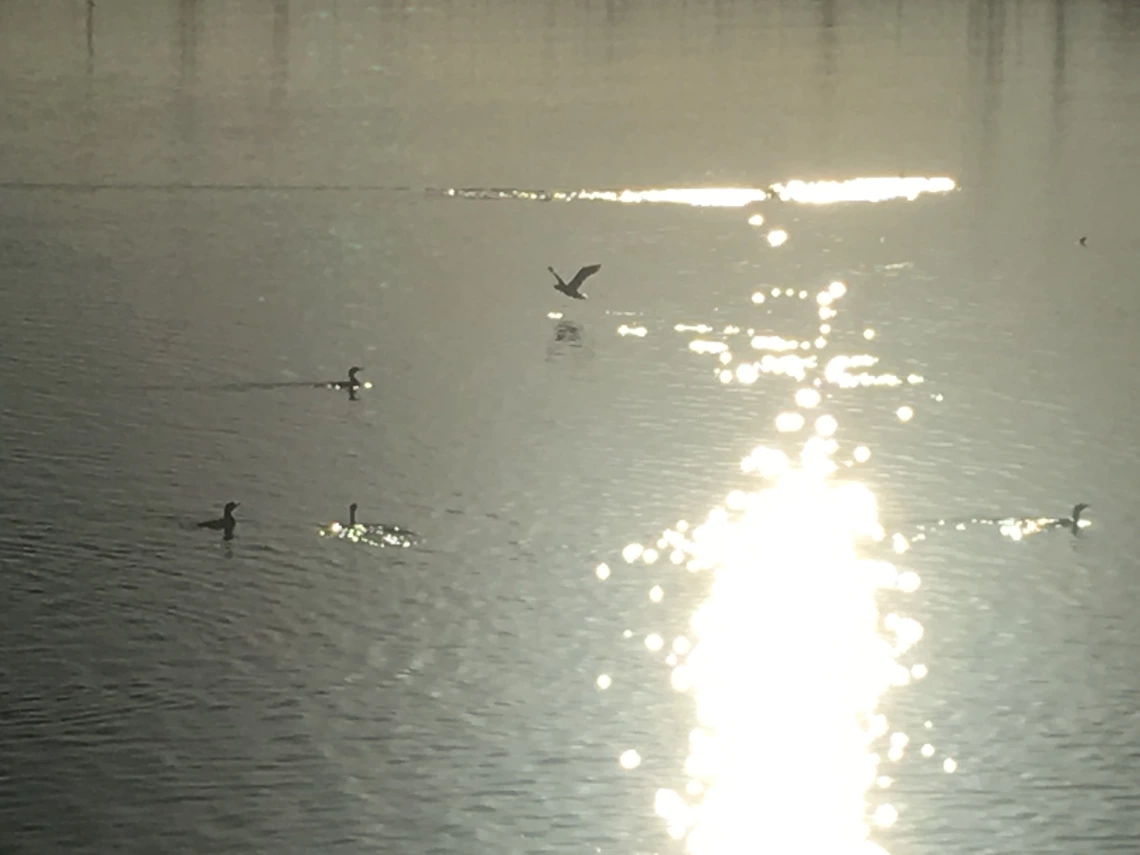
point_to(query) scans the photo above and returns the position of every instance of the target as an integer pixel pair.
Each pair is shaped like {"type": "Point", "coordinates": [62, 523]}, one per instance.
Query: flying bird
{"type": "Point", "coordinates": [571, 288]}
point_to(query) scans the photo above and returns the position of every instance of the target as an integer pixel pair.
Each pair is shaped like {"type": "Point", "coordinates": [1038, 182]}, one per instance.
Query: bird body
{"type": "Point", "coordinates": [226, 523]}
{"type": "Point", "coordinates": [1073, 524]}
{"type": "Point", "coordinates": [573, 287]}
{"type": "Point", "coordinates": [352, 382]}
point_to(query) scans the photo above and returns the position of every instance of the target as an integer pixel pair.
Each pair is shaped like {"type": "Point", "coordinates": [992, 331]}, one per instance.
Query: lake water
{"type": "Point", "coordinates": [202, 209]}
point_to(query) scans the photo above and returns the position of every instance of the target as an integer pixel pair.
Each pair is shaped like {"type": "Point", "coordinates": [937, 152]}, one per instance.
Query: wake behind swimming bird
{"type": "Point", "coordinates": [1020, 528]}
{"type": "Point", "coordinates": [573, 287]}
{"type": "Point", "coordinates": [351, 384]}
{"type": "Point", "coordinates": [374, 534]}
{"type": "Point", "coordinates": [1014, 528]}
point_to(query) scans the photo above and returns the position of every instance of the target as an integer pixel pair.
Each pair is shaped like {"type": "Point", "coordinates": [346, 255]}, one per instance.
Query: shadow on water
{"type": "Point", "coordinates": [567, 335]}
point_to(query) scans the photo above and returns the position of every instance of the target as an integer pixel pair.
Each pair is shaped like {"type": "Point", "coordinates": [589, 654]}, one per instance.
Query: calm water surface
{"type": "Point", "coordinates": [201, 205]}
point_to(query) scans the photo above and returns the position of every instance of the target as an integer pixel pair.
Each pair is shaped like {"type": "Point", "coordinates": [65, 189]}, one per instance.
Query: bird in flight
{"type": "Point", "coordinates": [571, 288]}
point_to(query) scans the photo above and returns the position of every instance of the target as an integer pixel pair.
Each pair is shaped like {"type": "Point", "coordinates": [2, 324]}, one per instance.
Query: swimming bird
{"type": "Point", "coordinates": [1073, 524]}
{"type": "Point", "coordinates": [352, 382]}
{"type": "Point", "coordinates": [374, 534]}
{"type": "Point", "coordinates": [1083, 241]}
{"type": "Point", "coordinates": [226, 523]}
{"type": "Point", "coordinates": [570, 289]}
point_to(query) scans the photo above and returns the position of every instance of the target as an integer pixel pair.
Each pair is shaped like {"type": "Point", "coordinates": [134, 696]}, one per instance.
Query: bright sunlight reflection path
{"type": "Point", "coordinates": [788, 658]}
{"type": "Point", "coordinates": [866, 189]}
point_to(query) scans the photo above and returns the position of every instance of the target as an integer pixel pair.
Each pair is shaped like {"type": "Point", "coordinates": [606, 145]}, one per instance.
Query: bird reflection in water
{"type": "Point", "coordinates": [373, 534]}
{"type": "Point", "coordinates": [567, 334]}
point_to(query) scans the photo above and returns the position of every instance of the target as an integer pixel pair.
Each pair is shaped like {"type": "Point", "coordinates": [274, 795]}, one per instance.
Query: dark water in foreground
{"type": "Point", "coordinates": [167, 691]}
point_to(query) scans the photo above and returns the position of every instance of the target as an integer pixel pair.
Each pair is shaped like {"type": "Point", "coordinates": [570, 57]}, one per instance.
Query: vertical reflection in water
{"type": "Point", "coordinates": [551, 42]}
{"type": "Point", "coordinates": [90, 37]}
{"type": "Point", "coordinates": [722, 23]}
{"type": "Point", "coordinates": [984, 87]}
{"type": "Point", "coordinates": [1122, 23]}
{"type": "Point", "coordinates": [183, 255]}
{"type": "Point", "coordinates": [1057, 100]}
{"type": "Point", "coordinates": [280, 50]}
{"type": "Point", "coordinates": [90, 112]}
{"type": "Point", "coordinates": [187, 41]}
{"type": "Point", "coordinates": [617, 15]}
{"type": "Point", "coordinates": [992, 85]}
{"type": "Point", "coordinates": [278, 90]}
{"type": "Point", "coordinates": [186, 91]}
{"type": "Point", "coordinates": [1058, 51]}
{"type": "Point", "coordinates": [828, 80]}
{"type": "Point", "coordinates": [1017, 31]}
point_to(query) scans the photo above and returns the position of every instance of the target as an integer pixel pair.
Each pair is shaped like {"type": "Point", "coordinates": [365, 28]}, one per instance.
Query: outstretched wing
{"type": "Point", "coordinates": [582, 275]}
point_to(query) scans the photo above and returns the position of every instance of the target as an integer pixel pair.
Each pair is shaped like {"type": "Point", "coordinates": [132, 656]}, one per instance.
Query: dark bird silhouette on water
{"type": "Point", "coordinates": [352, 383]}
{"type": "Point", "coordinates": [1073, 524]}
{"type": "Point", "coordinates": [1084, 241]}
{"type": "Point", "coordinates": [571, 288]}
{"type": "Point", "coordinates": [226, 523]}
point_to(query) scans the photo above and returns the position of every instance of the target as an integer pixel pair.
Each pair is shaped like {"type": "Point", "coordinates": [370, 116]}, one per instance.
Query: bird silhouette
{"type": "Point", "coordinates": [1073, 523]}
{"type": "Point", "coordinates": [225, 523]}
{"type": "Point", "coordinates": [571, 288]}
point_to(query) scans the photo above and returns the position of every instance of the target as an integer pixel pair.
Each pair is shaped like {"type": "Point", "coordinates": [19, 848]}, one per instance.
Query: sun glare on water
{"type": "Point", "coordinates": [788, 662]}
{"type": "Point", "coordinates": [864, 189]}
{"type": "Point", "coordinates": [789, 657]}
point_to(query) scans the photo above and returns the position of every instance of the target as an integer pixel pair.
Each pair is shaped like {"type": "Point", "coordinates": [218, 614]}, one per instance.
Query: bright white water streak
{"type": "Point", "coordinates": [861, 189]}
{"type": "Point", "coordinates": [867, 189]}
{"type": "Point", "coordinates": [789, 656]}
